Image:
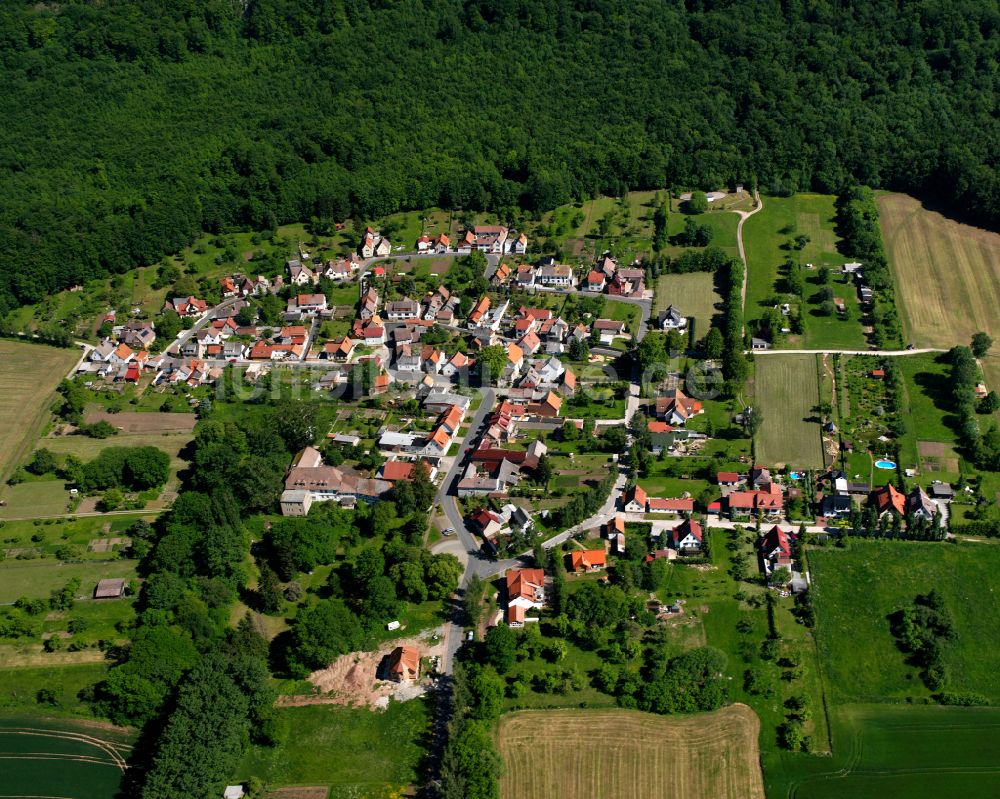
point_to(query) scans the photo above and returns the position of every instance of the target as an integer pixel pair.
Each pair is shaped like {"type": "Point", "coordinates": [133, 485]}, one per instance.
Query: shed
{"type": "Point", "coordinates": [110, 589]}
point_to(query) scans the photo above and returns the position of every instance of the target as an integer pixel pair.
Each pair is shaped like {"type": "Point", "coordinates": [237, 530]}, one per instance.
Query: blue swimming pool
{"type": "Point", "coordinates": [795, 475]}
{"type": "Point", "coordinates": [885, 465]}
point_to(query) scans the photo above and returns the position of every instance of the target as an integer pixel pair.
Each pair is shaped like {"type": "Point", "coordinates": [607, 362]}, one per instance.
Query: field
{"type": "Point", "coordinates": [766, 236]}
{"type": "Point", "coordinates": [354, 750]}
{"type": "Point", "coordinates": [857, 589]}
{"type": "Point", "coordinates": [630, 755]}
{"type": "Point", "coordinates": [29, 374]}
{"type": "Point", "coordinates": [787, 391]}
{"type": "Point", "coordinates": [883, 751]}
{"type": "Point", "coordinates": [35, 578]}
{"type": "Point", "coordinates": [694, 294]}
{"type": "Point", "coordinates": [947, 277]}
{"type": "Point", "coordinates": [45, 758]}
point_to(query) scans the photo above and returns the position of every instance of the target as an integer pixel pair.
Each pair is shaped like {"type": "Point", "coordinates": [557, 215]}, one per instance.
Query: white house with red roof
{"type": "Point", "coordinates": [686, 537]}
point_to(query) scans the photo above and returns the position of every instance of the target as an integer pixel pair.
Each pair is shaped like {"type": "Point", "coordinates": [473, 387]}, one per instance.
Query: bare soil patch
{"type": "Point", "coordinates": [315, 792]}
{"type": "Point", "coordinates": [135, 422]}
{"type": "Point", "coordinates": [352, 679]}
{"type": "Point", "coordinates": [933, 449]}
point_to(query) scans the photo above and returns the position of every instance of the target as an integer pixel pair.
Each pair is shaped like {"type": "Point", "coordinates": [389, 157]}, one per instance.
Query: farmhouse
{"type": "Point", "coordinates": [670, 506]}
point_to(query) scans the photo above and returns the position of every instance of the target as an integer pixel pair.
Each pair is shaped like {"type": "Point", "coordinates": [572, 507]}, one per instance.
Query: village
{"type": "Point", "coordinates": [495, 384]}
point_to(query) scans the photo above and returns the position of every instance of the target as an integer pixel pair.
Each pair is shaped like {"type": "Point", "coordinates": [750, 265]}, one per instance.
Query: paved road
{"type": "Point", "coordinates": [206, 318]}
{"type": "Point", "coordinates": [476, 563]}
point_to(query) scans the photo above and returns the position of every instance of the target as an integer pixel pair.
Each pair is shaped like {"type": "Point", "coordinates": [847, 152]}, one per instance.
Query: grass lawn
{"type": "Point", "coordinates": [766, 236]}
{"type": "Point", "coordinates": [344, 748]}
{"type": "Point", "coordinates": [29, 374]}
{"type": "Point", "coordinates": [34, 499]}
{"type": "Point", "coordinates": [19, 687]}
{"type": "Point", "coordinates": [786, 391]}
{"type": "Point", "coordinates": [855, 591]}
{"type": "Point", "coordinates": [926, 378]}
{"type": "Point", "coordinates": [623, 312]}
{"type": "Point", "coordinates": [35, 578]}
{"type": "Point", "coordinates": [693, 294]}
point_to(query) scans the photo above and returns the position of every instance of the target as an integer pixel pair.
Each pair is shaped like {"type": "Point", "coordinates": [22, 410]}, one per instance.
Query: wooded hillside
{"type": "Point", "coordinates": [129, 125]}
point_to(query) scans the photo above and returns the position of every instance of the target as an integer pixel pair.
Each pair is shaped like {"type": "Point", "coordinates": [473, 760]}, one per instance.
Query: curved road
{"type": "Point", "coordinates": [744, 216]}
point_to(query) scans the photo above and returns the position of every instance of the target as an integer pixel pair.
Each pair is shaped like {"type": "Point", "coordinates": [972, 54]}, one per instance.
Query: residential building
{"type": "Point", "coordinates": [672, 319]}
{"type": "Point", "coordinates": [404, 664]}
{"type": "Point", "coordinates": [775, 548]}
{"type": "Point", "coordinates": [402, 309]}
{"type": "Point", "coordinates": [554, 275]}
{"type": "Point", "coordinates": [686, 537]}
{"type": "Point", "coordinates": [887, 499]}
{"type": "Point", "coordinates": [590, 560]}
{"type": "Point", "coordinates": [525, 591]}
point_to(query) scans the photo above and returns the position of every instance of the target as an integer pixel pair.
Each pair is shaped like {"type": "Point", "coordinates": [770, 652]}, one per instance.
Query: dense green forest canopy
{"type": "Point", "coordinates": [129, 125]}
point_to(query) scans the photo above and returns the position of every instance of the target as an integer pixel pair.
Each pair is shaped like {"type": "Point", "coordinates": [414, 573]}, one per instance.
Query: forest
{"type": "Point", "coordinates": [131, 125]}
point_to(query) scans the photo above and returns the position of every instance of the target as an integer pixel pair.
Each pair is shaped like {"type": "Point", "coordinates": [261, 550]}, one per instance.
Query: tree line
{"type": "Point", "coordinates": [163, 119]}
{"type": "Point", "coordinates": [857, 220]}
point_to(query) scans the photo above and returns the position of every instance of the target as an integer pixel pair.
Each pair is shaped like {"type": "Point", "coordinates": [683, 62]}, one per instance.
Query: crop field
{"type": "Point", "coordinates": [29, 373]}
{"type": "Point", "coordinates": [47, 758]}
{"type": "Point", "coordinates": [625, 754]}
{"type": "Point", "coordinates": [947, 276]}
{"type": "Point", "coordinates": [787, 391]}
{"type": "Point", "coordinates": [881, 751]}
{"type": "Point", "coordinates": [693, 294]}
{"type": "Point", "coordinates": [858, 588]}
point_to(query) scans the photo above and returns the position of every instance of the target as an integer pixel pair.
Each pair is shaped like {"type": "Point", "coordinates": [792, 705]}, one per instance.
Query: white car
{"type": "Point", "coordinates": [448, 531]}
